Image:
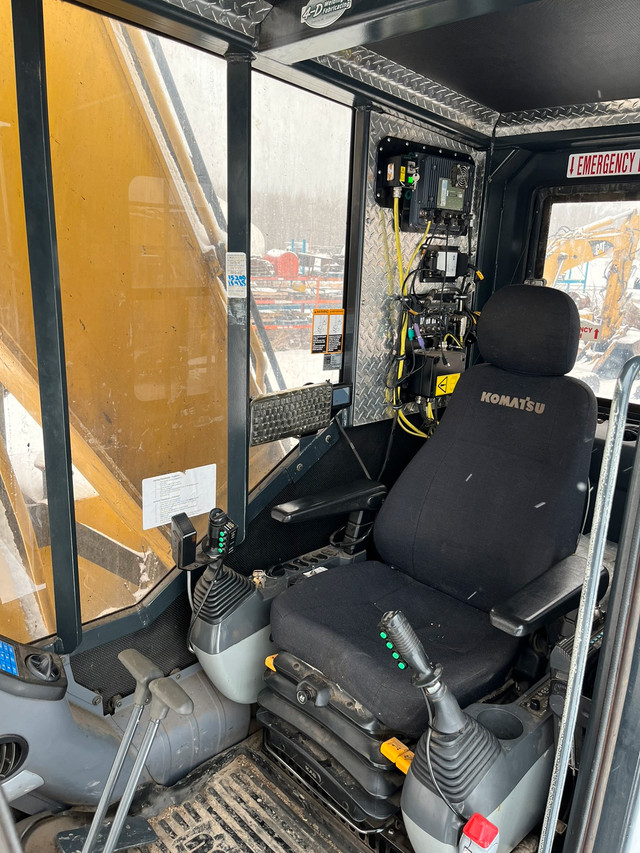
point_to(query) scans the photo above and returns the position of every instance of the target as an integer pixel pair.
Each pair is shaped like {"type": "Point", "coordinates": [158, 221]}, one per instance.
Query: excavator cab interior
{"type": "Point", "coordinates": [319, 500]}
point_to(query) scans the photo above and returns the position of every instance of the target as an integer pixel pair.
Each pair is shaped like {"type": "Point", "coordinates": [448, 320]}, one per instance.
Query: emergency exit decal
{"type": "Point", "coordinates": [600, 163]}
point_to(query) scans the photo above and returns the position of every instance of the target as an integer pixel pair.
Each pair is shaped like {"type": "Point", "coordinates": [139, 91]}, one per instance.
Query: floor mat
{"type": "Point", "coordinates": [243, 803]}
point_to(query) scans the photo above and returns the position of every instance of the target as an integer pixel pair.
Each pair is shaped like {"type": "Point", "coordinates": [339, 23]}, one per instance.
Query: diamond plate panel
{"type": "Point", "coordinates": [573, 117]}
{"type": "Point", "coordinates": [242, 17]}
{"type": "Point", "coordinates": [378, 322]}
{"type": "Point", "coordinates": [370, 68]}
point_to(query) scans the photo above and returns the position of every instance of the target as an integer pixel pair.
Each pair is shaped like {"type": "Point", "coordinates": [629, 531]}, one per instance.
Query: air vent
{"type": "Point", "coordinates": [13, 752]}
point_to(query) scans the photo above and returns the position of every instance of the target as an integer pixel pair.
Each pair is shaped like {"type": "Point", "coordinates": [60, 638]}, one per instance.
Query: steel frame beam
{"type": "Point", "coordinates": [238, 240]}
{"type": "Point", "coordinates": [37, 184]}
{"type": "Point", "coordinates": [283, 35]}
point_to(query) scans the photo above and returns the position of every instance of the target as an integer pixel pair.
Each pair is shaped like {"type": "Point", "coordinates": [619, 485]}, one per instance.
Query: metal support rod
{"type": "Point", "coordinates": [130, 789]}
{"type": "Point", "coordinates": [355, 241]}
{"type": "Point", "coordinates": [112, 778]}
{"type": "Point", "coordinates": [37, 185]}
{"type": "Point", "coordinates": [238, 240]}
{"type": "Point", "coordinates": [588, 599]}
{"type": "Point", "coordinates": [9, 841]}
{"type": "Point", "coordinates": [594, 754]}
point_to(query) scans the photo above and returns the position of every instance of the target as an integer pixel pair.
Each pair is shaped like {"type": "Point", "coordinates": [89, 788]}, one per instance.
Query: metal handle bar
{"type": "Point", "coordinates": [588, 599]}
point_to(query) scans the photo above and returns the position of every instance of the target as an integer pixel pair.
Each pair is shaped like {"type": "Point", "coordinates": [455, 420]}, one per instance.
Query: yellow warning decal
{"type": "Point", "coordinates": [446, 384]}
{"type": "Point", "coordinates": [403, 172]}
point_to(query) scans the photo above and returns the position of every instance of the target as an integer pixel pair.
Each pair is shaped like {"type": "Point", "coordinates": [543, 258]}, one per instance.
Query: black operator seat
{"type": "Point", "coordinates": [490, 503]}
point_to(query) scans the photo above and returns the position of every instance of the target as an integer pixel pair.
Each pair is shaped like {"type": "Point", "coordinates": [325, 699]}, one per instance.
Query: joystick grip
{"type": "Point", "coordinates": [403, 641]}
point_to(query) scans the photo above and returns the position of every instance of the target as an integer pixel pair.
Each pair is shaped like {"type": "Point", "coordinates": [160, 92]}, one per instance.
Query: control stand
{"type": "Point", "coordinates": [469, 763]}
{"type": "Point", "coordinates": [229, 630]}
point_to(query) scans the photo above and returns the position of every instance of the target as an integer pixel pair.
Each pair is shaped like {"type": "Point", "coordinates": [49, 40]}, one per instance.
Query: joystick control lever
{"type": "Point", "coordinates": [406, 647]}
{"type": "Point", "coordinates": [407, 650]}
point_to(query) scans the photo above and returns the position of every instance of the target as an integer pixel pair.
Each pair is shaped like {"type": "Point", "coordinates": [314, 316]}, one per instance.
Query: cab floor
{"type": "Point", "coordinates": [238, 802]}
{"type": "Point", "coordinates": [241, 802]}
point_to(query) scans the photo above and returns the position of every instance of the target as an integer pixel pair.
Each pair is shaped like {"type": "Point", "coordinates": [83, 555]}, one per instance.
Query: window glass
{"type": "Point", "coordinates": [300, 183]}
{"type": "Point", "coordinates": [26, 596]}
{"type": "Point", "coordinates": [141, 241]}
{"type": "Point", "coordinates": [593, 252]}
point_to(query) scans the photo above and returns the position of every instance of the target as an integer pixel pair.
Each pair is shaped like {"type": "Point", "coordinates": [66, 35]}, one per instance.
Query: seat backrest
{"type": "Point", "coordinates": [496, 496]}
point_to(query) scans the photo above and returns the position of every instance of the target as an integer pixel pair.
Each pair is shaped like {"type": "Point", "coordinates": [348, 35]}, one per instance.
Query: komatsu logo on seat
{"type": "Point", "coordinates": [525, 404]}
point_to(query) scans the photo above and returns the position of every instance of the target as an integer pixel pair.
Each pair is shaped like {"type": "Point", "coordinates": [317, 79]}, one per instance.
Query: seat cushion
{"type": "Point", "coordinates": [330, 620]}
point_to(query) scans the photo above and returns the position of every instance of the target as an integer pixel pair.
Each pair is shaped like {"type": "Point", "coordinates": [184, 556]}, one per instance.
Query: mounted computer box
{"type": "Point", "coordinates": [436, 185]}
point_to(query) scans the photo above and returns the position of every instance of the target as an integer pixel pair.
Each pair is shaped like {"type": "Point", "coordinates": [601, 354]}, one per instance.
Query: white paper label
{"type": "Point", "coordinates": [192, 491]}
{"type": "Point", "coordinates": [236, 269]}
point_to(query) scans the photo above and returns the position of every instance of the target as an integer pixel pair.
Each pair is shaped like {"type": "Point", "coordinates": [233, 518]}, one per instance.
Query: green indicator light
{"type": "Point", "coordinates": [409, 180]}
{"type": "Point", "coordinates": [402, 665]}
{"type": "Point", "coordinates": [220, 550]}
{"type": "Point", "coordinates": [395, 656]}
{"type": "Point", "coordinates": [383, 634]}
{"type": "Point", "coordinates": [389, 645]}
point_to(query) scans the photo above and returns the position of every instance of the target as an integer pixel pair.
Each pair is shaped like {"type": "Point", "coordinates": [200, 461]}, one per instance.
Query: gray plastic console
{"type": "Point", "coordinates": [511, 793]}
{"type": "Point", "coordinates": [30, 672]}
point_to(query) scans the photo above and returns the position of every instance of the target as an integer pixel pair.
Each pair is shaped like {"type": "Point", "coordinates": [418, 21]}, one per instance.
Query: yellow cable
{"type": "Point", "coordinates": [454, 339]}
{"type": "Point", "coordinates": [396, 229]}
{"type": "Point", "coordinates": [415, 252]}
{"type": "Point", "coordinates": [407, 426]}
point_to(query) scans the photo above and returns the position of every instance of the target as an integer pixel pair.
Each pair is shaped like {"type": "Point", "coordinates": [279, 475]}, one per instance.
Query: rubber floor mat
{"type": "Point", "coordinates": [243, 803]}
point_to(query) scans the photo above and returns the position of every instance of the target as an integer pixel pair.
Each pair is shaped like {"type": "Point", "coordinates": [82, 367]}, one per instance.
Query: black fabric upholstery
{"type": "Point", "coordinates": [490, 502]}
{"type": "Point", "coordinates": [330, 620]}
{"type": "Point", "coordinates": [495, 497]}
{"type": "Point", "coordinates": [530, 330]}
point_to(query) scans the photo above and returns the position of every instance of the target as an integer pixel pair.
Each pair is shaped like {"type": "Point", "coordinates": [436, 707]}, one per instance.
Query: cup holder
{"type": "Point", "coordinates": [630, 434]}
{"type": "Point", "coordinates": [503, 724]}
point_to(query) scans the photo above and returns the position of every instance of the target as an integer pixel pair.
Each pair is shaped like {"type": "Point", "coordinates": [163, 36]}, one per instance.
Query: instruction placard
{"type": "Point", "coordinates": [327, 331]}
{"type": "Point", "coordinates": [236, 270]}
{"type": "Point", "coordinates": [319, 331]}
{"type": "Point", "coordinates": [446, 384]}
{"type": "Point", "coordinates": [332, 361]}
{"type": "Point", "coordinates": [192, 491]}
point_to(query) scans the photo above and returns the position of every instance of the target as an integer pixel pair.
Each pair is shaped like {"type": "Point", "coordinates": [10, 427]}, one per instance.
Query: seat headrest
{"type": "Point", "coordinates": [529, 329]}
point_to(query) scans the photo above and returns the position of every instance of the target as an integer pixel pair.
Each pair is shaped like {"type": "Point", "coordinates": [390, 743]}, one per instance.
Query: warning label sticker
{"type": "Point", "coordinates": [336, 331]}
{"type": "Point", "coordinates": [600, 163]}
{"type": "Point", "coordinates": [319, 331]}
{"type": "Point", "coordinates": [446, 384]}
{"type": "Point", "coordinates": [327, 331]}
{"type": "Point", "coordinates": [236, 270]}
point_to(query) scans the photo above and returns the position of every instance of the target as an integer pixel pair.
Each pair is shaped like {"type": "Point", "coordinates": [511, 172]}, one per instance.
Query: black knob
{"type": "Point", "coordinates": [305, 694]}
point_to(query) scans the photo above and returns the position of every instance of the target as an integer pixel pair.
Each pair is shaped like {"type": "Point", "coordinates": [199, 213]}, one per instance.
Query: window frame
{"type": "Point", "coordinates": [33, 122]}
{"type": "Point", "coordinates": [543, 201]}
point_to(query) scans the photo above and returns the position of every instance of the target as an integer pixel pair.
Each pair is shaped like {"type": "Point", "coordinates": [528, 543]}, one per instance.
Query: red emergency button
{"type": "Point", "coordinates": [481, 831]}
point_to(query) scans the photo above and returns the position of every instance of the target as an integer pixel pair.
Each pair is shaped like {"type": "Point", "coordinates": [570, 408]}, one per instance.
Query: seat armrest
{"type": "Point", "coordinates": [546, 598]}
{"type": "Point", "coordinates": [359, 495]}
